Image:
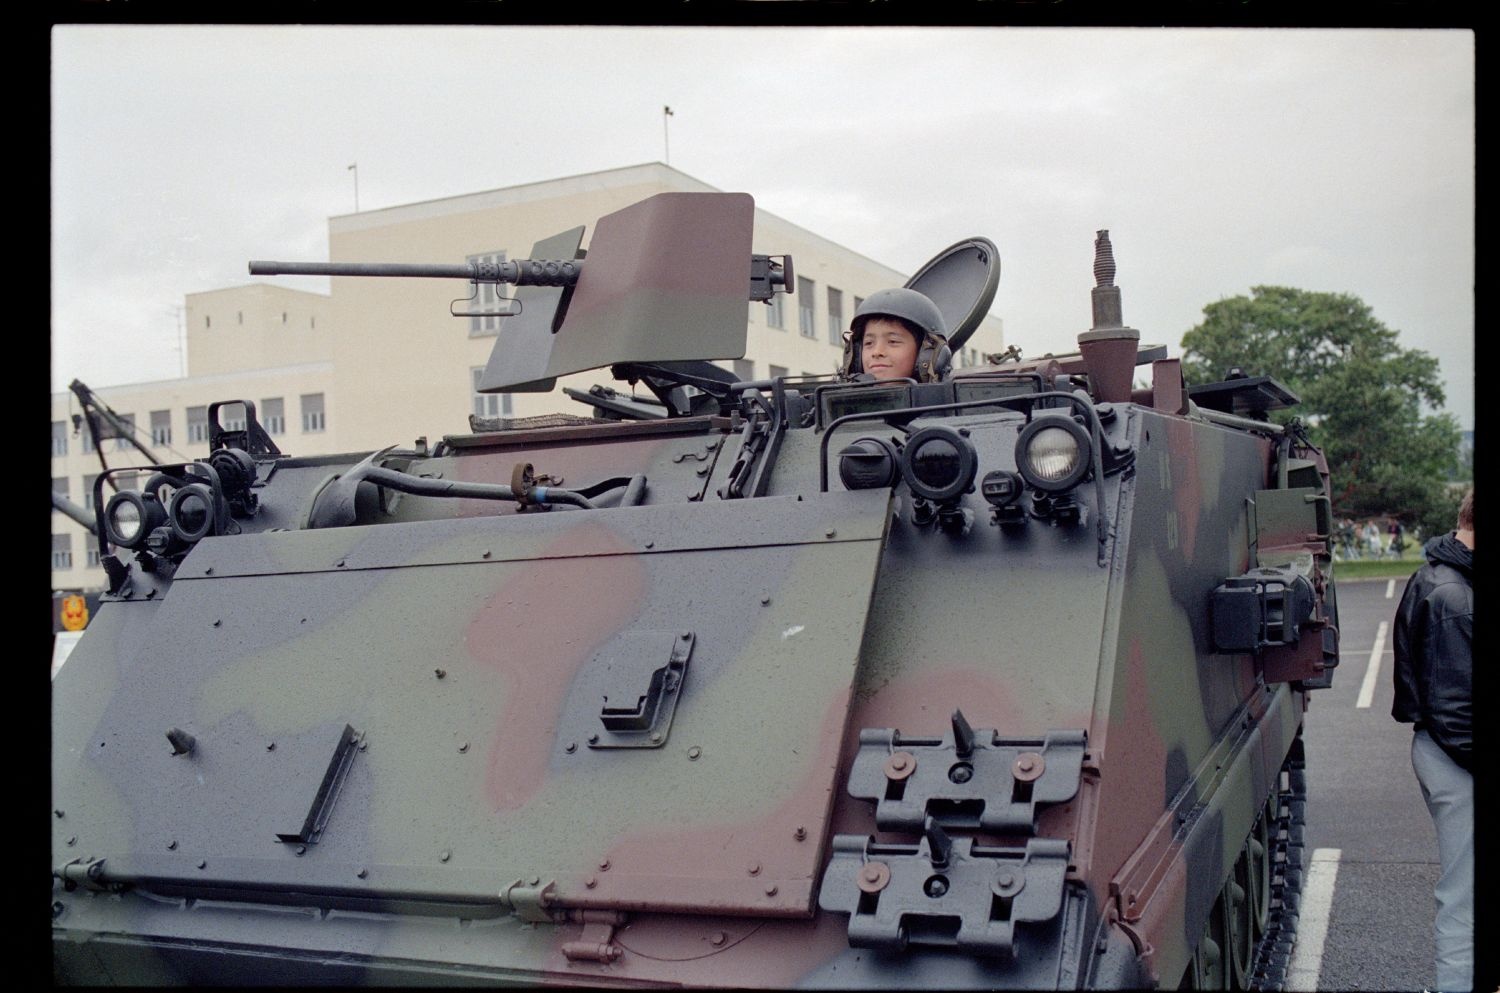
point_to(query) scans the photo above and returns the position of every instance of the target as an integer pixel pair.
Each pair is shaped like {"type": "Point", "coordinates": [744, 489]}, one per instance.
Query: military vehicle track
{"type": "Point", "coordinates": [1274, 953]}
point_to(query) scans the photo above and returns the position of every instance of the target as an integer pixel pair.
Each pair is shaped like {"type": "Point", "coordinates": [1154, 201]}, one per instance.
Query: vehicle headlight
{"type": "Point", "coordinates": [868, 464]}
{"type": "Point", "coordinates": [129, 517]}
{"type": "Point", "coordinates": [1053, 453]}
{"type": "Point", "coordinates": [939, 463]}
{"type": "Point", "coordinates": [192, 512]}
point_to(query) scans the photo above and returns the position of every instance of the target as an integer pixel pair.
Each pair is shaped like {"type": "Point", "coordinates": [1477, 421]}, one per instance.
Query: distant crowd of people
{"type": "Point", "coordinates": [1372, 541]}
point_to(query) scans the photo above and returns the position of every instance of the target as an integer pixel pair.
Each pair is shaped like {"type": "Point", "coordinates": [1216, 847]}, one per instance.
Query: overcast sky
{"type": "Point", "coordinates": [1333, 160]}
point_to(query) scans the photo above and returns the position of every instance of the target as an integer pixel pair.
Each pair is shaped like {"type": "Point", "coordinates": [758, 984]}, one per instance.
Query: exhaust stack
{"type": "Point", "coordinates": [1109, 347]}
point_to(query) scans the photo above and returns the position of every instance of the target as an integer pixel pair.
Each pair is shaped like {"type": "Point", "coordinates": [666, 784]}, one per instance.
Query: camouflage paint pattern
{"type": "Point", "coordinates": [428, 682]}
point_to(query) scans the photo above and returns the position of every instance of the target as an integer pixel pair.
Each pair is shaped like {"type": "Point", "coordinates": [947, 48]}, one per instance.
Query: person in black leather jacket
{"type": "Point", "coordinates": [1434, 692]}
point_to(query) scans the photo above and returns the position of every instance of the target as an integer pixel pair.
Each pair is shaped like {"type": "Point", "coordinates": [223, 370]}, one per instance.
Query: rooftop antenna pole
{"type": "Point", "coordinates": [355, 168]}
{"type": "Point", "coordinates": [666, 112]}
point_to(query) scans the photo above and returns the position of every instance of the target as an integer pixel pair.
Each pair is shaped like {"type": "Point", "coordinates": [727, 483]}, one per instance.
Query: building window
{"type": "Point", "coordinates": [59, 437]}
{"type": "Point", "coordinates": [744, 370]}
{"type": "Point", "coordinates": [240, 316]}
{"type": "Point", "coordinates": [487, 404]}
{"type": "Point", "coordinates": [775, 316]}
{"type": "Point", "coordinates": [283, 317]}
{"type": "Point", "coordinates": [161, 427]}
{"type": "Point", "coordinates": [805, 308]}
{"type": "Point", "coordinates": [197, 423]}
{"type": "Point", "coordinates": [93, 556]}
{"type": "Point", "coordinates": [312, 322]}
{"type": "Point", "coordinates": [835, 316]}
{"type": "Point", "coordinates": [88, 491]}
{"type": "Point", "coordinates": [60, 486]}
{"type": "Point", "coordinates": [62, 551]}
{"type": "Point", "coordinates": [313, 417]}
{"type": "Point", "coordinates": [273, 415]}
{"type": "Point", "coordinates": [486, 301]}
{"type": "Point", "coordinates": [778, 371]}
{"type": "Point", "coordinates": [88, 440]}
{"type": "Point", "coordinates": [208, 322]}
{"type": "Point", "coordinates": [858, 303]}
{"type": "Point", "coordinates": [122, 442]}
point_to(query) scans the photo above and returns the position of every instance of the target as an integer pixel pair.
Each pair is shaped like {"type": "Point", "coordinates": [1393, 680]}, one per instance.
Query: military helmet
{"type": "Point", "coordinates": [922, 317]}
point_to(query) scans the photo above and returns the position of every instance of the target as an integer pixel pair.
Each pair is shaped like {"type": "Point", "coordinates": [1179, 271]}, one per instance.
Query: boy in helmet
{"type": "Point", "coordinates": [897, 334]}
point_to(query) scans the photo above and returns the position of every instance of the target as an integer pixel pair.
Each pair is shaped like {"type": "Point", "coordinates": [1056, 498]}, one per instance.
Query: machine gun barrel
{"type": "Point", "coordinates": [521, 272]}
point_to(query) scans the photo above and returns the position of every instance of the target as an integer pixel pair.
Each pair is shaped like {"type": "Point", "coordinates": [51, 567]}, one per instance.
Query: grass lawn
{"type": "Point", "coordinates": [1375, 569]}
{"type": "Point", "coordinates": [1382, 568]}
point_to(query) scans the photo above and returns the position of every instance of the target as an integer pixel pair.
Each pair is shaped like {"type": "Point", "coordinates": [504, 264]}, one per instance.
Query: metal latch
{"type": "Point", "coordinates": [638, 678]}
{"type": "Point", "coordinates": [971, 780]}
{"type": "Point", "coordinates": [943, 891]}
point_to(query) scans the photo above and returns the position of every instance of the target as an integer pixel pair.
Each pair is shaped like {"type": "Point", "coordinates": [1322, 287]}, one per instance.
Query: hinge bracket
{"type": "Point", "coordinates": [943, 891]}
{"type": "Point", "coordinates": [969, 780]}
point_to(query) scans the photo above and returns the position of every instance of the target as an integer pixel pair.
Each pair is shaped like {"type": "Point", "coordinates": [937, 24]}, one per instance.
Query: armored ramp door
{"type": "Point", "coordinates": [638, 708]}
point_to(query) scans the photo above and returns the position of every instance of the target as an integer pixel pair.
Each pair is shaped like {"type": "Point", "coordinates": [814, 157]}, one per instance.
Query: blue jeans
{"type": "Point", "coordinates": [1449, 792]}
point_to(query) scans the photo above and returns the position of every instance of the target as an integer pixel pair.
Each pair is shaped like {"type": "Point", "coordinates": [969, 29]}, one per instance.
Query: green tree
{"type": "Point", "coordinates": [1362, 394]}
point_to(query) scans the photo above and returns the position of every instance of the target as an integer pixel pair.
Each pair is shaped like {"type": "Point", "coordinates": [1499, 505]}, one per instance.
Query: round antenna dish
{"type": "Point", "coordinates": [961, 280]}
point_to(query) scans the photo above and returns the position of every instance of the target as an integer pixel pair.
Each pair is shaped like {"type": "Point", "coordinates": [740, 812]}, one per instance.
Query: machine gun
{"type": "Point", "coordinates": [662, 291]}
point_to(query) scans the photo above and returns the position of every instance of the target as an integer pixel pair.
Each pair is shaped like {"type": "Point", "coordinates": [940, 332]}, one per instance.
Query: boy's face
{"type": "Point", "coordinates": [888, 350]}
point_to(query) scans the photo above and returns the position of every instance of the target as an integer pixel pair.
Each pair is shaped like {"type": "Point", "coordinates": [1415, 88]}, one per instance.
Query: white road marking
{"type": "Point", "coordinates": [1372, 671]}
{"type": "Point", "coordinates": [1390, 589]}
{"type": "Point", "coordinates": [1312, 920]}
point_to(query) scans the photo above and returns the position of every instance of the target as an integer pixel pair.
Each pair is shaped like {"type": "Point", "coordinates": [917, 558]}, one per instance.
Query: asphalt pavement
{"type": "Point", "coordinates": [1364, 802]}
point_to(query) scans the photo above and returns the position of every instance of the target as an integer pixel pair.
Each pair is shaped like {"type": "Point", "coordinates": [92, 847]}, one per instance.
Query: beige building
{"type": "Point", "coordinates": [382, 361]}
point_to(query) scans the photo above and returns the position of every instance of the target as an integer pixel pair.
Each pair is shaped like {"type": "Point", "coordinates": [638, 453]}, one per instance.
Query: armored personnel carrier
{"type": "Point", "coordinates": [993, 681]}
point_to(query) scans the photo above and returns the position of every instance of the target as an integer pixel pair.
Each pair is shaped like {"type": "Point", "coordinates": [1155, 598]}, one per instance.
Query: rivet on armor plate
{"type": "Point", "coordinates": [445, 856]}
{"type": "Point", "coordinates": [873, 877]}
{"type": "Point", "coordinates": [572, 747]}
{"type": "Point", "coordinates": [440, 673]}
{"type": "Point", "coordinates": [362, 873]}
{"type": "Point", "coordinates": [800, 834]}
{"type": "Point", "coordinates": [591, 882]}
{"type": "Point", "coordinates": [301, 849]}
{"type": "Point", "coordinates": [464, 747]}
{"type": "Point", "coordinates": [900, 765]}
{"type": "Point", "coordinates": [694, 752]}
{"type": "Point", "coordinates": [718, 938]}
{"type": "Point", "coordinates": [604, 865]}
{"type": "Point", "coordinates": [1029, 766]}
{"type": "Point", "coordinates": [771, 890]}
{"type": "Point", "coordinates": [172, 845]}
{"type": "Point", "coordinates": [753, 868]}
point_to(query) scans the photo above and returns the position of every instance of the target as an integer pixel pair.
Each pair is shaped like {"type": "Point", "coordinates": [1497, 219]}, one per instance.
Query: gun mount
{"type": "Point", "coordinates": [665, 281]}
